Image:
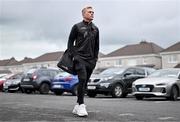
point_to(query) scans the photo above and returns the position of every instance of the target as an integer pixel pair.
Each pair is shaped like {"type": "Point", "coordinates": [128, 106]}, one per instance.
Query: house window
{"type": "Point", "coordinates": [132, 62]}
{"type": "Point", "coordinates": [118, 62]}
{"type": "Point", "coordinates": [145, 61]}
{"type": "Point", "coordinates": [172, 59]}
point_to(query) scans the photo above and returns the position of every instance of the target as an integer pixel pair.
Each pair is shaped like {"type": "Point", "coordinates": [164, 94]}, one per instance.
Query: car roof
{"type": "Point", "coordinates": [171, 69]}
{"type": "Point", "coordinates": [175, 69]}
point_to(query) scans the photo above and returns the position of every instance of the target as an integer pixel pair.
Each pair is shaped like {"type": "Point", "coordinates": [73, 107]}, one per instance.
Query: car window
{"type": "Point", "coordinates": [53, 73]}
{"type": "Point", "coordinates": [150, 70]}
{"type": "Point", "coordinates": [63, 74]}
{"type": "Point", "coordinates": [112, 71]}
{"type": "Point", "coordinates": [31, 71]}
{"type": "Point", "coordinates": [140, 71]}
{"type": "Point", "coordinates": [44, 73]}
{"type": "Point", "coordinates": [130, 71]}
{"type": "Point", "coordinates": [16, 76]}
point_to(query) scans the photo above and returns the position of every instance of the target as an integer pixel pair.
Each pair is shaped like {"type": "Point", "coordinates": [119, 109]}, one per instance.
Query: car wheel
{"type": "Point", "coordinates": [139, 97]}
{"type": "Point", "coordinates": [124, 95]}
{"type": "Point", "coordinates": [174, 93]}
{"type": "Point", "coordinates": [117, 91]}
{"type": "Point", "coordinates": [44, 88]}
{"type": "Point", "coordinates": [91, 94]}
{"type": "Point", "coordinates": [58, 92]}
{"type": "Point", "coordinates": [11, 91]}
{"type": "Point", "coordinates": [75, 90]}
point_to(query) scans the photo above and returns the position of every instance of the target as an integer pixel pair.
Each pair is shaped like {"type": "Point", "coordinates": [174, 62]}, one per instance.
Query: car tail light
{"type": "Point", "coordinates": [68, 79]}
{"type": "Point", "coordinates": [2, 81]}
{"type": "Point", "coordinates": [34, 76]}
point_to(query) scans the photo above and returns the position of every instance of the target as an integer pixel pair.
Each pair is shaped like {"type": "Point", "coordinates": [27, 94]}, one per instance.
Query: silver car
{"type": "Point", "coordinates": [161, 83]}
{"type": "Point", "coordinates": [12, 84]}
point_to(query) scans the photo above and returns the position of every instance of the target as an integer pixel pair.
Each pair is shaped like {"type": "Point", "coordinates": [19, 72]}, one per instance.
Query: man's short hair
{"type": "Point", "coordinates": [84, 9]}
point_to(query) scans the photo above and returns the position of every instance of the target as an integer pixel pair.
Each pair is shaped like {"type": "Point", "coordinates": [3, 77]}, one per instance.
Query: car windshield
{"type": "Point", "coordinates": [165, 73]}
{"type": "Point", "coordinates": [16, 76]}
{"type": "Point", "coordinates": [113, 71]}
{"type": "Point", "coordinates": [31, 71]}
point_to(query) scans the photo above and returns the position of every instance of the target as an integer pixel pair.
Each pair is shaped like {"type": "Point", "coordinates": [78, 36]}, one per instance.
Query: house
{"type": "Point", "coordinates": [45, 60]}
{"type": "Point", "coordinates": [8, 64]}
{"type": "Point", "coordinates": [142, 54]}
{"type": "Point", "coordinates": [171, 56]}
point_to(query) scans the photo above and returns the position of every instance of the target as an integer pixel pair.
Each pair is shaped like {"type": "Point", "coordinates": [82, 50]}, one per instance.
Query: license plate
{"type": "Point", "coordinates": [57, 86]}
{"type": "Point", "coordinates": [5, 86]}
{"type": "Point", "coordinates": [144, 89]}
{"type": "Point", "coordinates": [91, 87]}
{"type": "Point", "coordinates": [26, 79]}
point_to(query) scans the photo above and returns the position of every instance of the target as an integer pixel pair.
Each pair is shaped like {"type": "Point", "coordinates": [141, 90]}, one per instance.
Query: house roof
{"type": "Point", "coordinates": [53, 56]}
{"type": "Point", "coordinates": [25, 60]}
{"type": "Point", "coordinates": [175, 47]}
{"type": "Point", "coordinates": [100, 55]}
{"type": "Point", "coordinates": [136, 49]}
{"type": "Point", "coordinates": [8, 62]}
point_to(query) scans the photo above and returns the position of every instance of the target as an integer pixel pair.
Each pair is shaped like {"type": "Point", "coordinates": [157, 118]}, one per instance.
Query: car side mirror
{"type": "Point", "coordinates": [127, 74]}
{"type": "Point", "coordinates": [179, 77]}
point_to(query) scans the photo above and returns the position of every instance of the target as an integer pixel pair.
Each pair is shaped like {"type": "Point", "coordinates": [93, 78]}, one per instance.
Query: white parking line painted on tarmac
{"type": "Point", "coordinates": [126, 114]}
{"type": "Point", "coordinates": [166, 118]}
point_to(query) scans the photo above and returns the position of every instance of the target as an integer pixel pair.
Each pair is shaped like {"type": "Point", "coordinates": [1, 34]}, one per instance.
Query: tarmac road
{"type": "Point", "coordinates": [35, 107]}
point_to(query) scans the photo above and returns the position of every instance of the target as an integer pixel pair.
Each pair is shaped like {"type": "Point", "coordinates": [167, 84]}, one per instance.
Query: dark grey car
{"type": "Point", "coordinates": [38, 80]}
{"type": "Point", "coordinates": [116, 81]}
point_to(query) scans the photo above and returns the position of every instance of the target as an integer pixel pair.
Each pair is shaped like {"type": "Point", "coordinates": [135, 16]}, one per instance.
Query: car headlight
{"type": "Point", "coordinates": [15, 82]}
{"type": "Point", "coordinates": [105, 79]}
{"type": "Point", "coordinates": [104, 85]}
{"type": "Point", "coordinates": [161, 84]}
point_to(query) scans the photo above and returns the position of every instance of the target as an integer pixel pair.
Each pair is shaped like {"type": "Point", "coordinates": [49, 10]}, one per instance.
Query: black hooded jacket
{"type": "Point", "coordinates": [84, 42]}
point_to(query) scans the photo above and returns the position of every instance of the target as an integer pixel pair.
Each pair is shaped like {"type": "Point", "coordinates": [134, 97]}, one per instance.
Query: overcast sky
{"type": "Point", "coordinates": [34, 27]}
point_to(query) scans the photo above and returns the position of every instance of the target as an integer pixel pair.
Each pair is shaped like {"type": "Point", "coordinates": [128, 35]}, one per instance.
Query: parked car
{"type": "Point", "coordinates": [116, 81]}
{"type": "Point", "coordinates": [12, 84]}
{"type": "Point", "coordinates": [99, 70]}
{"type": "Point", "coordinates": [38, 80]}
{"type": "Point", "coordinates": [3, 79]}
{"type": "Point", "coordinates": [161, 83]}
{"type": "Point", "coordinates": [65, 82]}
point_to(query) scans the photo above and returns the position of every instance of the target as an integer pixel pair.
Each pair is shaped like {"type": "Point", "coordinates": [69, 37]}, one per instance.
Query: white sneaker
{"type": "Point", "coordinates": [75, 109]}
{"type": "Point", "coordinates": [81, 110]}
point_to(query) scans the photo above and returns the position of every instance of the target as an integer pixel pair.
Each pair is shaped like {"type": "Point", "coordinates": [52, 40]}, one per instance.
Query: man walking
{"type": "Point", "coordinates": [83, 43]}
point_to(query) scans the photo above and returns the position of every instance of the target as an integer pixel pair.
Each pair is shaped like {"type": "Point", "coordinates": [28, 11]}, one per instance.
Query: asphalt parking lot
{"type": "Point", "coordinates": [35, 107]}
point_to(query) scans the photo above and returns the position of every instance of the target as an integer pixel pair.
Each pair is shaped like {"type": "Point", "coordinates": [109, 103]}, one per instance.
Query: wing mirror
{"type": "Point", "coordinates": [127, 74]}
{"type": "Point", "coordinates": [179, 77]}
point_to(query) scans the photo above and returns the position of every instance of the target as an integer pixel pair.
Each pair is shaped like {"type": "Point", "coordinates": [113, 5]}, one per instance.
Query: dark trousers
{"type": "Point", "coordinates": [84, 72]}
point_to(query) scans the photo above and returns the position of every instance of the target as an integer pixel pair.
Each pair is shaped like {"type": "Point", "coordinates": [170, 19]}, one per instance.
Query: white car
{"type": "Point", "coordinates": [161, 83]}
